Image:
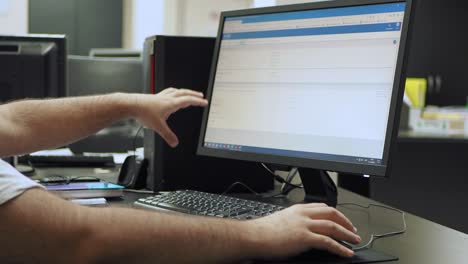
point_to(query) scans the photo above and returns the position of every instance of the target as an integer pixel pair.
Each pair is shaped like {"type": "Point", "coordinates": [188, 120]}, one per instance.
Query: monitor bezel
{"type": "Point", "coordinates": [395, 104]}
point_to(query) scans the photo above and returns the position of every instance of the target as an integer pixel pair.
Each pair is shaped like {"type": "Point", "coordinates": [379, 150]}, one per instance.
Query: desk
{"type": "Point", "coordinates": [424, 242]}
{"type": "Point", "coordinates": [428, 178]}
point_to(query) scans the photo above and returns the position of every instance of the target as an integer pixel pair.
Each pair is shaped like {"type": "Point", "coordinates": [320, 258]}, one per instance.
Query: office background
{"type": "Point", "coordinates": [430, 175]}
{"type": "Point", "coordinates": [118, 23]}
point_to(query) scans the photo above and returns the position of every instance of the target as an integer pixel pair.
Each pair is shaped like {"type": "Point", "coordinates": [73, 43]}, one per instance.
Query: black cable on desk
{"type": "Point", "coordinates": [375, 237]}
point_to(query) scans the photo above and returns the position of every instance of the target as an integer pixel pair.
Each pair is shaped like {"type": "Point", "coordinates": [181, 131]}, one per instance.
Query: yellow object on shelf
{"type": "Point", "coordinates": [443, 115]}
{"type": "Point", "coordinates": [415, 90]}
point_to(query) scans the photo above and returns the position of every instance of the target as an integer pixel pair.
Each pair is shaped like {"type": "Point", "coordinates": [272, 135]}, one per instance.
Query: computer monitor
{"type": "Point", "coordinates": [314, 85]}
{"type": "Point", "coordinates": [103, 75]}
{"type": "Point", "coordinates": [32, 66]}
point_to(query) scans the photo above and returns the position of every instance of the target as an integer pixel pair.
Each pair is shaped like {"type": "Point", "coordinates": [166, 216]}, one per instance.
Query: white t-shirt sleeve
{"type": "Point", "coordinates": [13, 183]}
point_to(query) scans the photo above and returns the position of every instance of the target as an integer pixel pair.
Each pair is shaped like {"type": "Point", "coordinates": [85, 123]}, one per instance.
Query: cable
{"type": "Point", "coordinates": [276, 195]}
{"type": "Point", "coordinates": [291, 175]}
{"type": "Point", "coordinates": [286, 189]}
{"type": "Point", "coordinates": [241, 184]}
{"type": "Point", "coordinates": [279, 179]}
{"type": "Point", "coordinates": [135, 140]}
{"type": "Point", "coordinates": [375, 237]}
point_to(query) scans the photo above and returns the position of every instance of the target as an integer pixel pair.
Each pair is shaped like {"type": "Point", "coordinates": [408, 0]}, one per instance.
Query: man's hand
{"type": "Point", "coordinates": [32, 125]}
{"type": "Point", "coordinates": [153, 110]}
{"type": "Point", "coordinates": [303, 227]}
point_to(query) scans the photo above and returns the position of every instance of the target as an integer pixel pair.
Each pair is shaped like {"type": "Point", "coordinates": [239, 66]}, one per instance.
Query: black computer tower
{"type": "Point", "coordinates": [185, 62]}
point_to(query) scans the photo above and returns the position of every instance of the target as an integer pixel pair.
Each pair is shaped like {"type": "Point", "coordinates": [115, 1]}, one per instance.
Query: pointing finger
{"type": "Point", "coordinates": [186, 101]}
{"type": "Point", "coordinates": [186, 92]}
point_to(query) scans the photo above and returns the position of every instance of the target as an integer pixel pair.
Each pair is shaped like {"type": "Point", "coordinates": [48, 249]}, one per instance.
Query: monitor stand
{"type": "Point", "coordinates": [318, 187]}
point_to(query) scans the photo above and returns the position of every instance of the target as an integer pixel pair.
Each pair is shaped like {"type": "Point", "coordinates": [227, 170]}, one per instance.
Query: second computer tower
{"type": "Point", "coordinates": [185, 62]}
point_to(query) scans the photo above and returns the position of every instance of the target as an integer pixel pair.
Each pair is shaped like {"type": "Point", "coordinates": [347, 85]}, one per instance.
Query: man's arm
{"type": "Point", "coordinates": [41, 228]}
{"type": "Point", "coordinates": [31, 125]}
{"type": "Point", "coordinates": [38, 227]}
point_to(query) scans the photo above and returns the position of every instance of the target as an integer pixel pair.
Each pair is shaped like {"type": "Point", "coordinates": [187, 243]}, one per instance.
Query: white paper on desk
{"type": "Point", "coordinates": [54, 152]}
{"type": "Point", "coordinates": [140, 152]}
{"type": "Point", "coordinates": [90, 202]}
{"type": "Point", "coordinates": [119, 158]}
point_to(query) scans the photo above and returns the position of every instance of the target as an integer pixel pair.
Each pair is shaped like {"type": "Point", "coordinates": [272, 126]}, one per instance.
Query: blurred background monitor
{"type": "Point", "coordinates": [114, 53]}
{"type": "Point", "coordinates": [104, 75]}
{"type": "Point", "coordinates": [97, 75]}
{"type": "Point", "coordinates": [32, 66]}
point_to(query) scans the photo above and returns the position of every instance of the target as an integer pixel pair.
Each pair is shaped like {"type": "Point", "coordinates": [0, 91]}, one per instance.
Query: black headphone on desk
{"type": "Point", "coordinates": [133, 173]}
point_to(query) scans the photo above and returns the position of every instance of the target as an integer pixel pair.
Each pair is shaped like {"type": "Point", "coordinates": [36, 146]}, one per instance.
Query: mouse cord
{"type": "Point", "coordinates": [135, 140]}
{"type": "Point", "coordinates": [279, 179]}
{"type": "Point", "coordinates": [375, 237]}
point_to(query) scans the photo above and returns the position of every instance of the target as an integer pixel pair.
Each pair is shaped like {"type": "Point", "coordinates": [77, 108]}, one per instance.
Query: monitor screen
{"type": "Point", "coordinates": [312, 85]}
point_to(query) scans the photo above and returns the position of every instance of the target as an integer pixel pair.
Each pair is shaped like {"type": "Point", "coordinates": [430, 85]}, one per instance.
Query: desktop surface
{"type": "Point", "coordinates": [424, 241]}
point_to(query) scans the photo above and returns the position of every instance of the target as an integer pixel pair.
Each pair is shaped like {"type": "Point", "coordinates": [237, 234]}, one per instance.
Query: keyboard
{"type": "Point", "coordinates": [207, 204]}
{"type": "Point", "coordinates": [69, 161]}
{"type": "Point", "coordinates": [215, 205]}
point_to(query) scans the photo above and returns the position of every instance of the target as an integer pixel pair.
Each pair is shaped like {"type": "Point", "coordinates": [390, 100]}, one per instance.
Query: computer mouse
{"type": "Point", "coordinates": [318, 255]}
{"type": "Point", "coordinates": [133, 173]}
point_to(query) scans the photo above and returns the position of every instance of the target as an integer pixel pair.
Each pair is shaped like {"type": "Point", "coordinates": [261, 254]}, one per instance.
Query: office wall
{"type": "Point", "coordinates": [87, 23]}
{"type": "Point", "coordinates": [13, 16]}
{"type": "Point", "coordinates": [201, 17]}
{"type": "Point", "coordinates": [288, 2]}
{"type": "Point", "coordinates": [142, 18]}
{"type": "Point", "coordinates": [263, 3]}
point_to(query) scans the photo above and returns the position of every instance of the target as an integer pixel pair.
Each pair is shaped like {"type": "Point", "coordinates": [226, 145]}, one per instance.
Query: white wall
{"type": "Point", "coordinates": [13, 16]}
{"type": "Point", "coordinates": [201, 17]}
{"type": "Point", "coordinates": [263, 3]}
{"type": "Point", "coordinates": [142, 18]}
{"type": "Point", "coordinates": [288, 2]}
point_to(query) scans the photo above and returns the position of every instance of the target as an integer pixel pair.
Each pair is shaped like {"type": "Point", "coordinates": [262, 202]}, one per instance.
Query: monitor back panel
{"type": "Point", "coordinates": [94, 76]}
{"type": "Point", "coordinates": [88, 75]}
{"type": "Point", "coordinates": [33, 66]}
{"type": "Point", "coordinates": [28, 70]}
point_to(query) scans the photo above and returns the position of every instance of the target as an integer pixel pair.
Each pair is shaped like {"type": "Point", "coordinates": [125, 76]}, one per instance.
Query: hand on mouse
{"type": "Point", "coordinates": [303, 227]}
